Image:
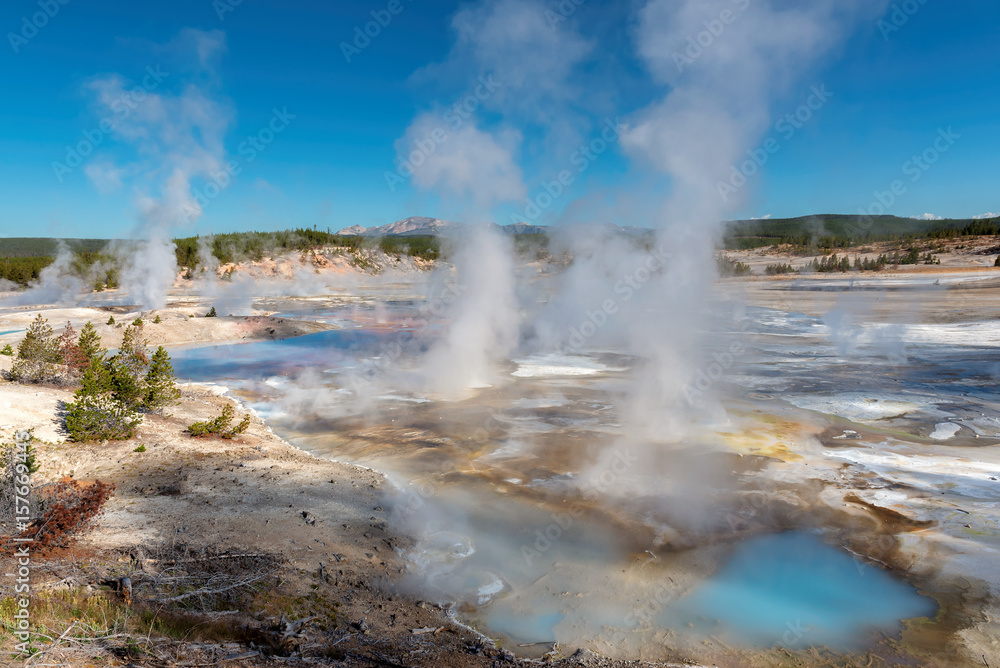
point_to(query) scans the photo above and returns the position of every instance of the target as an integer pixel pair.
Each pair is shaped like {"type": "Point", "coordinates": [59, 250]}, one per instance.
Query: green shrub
{"type": "Point", "coordinates": [157, 320]}
{"type": "Point", "coordinates": [7, 350]}
{"type": "Point", "coordinates": [111, 320]}
{"type": "Point", "coordinates": [220, 426]}
{"type": "Point", "coordinates": [779, 269]}
{"type": "Point", "coordinates": [141, 448]}
{"type": "Point", "coordinates": [728, 268]}
{"type": "Point", "coordinates": [212, 313]}
{"type": "Point", "coordinates": [38, 355]}
{"type": "Point", "coordinates": [100, 418]}
{"type": "Point", "coordinates": [113, 393]}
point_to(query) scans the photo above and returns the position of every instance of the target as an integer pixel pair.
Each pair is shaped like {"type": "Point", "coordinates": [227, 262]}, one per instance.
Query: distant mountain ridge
{"type": "Point", "coordinates": [421, 226]}
{"type": "Point", "coordinates": [837, 228]}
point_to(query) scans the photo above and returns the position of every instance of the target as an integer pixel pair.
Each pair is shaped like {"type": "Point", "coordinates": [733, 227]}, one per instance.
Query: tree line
{"type": "Point", "coordinates": [828, 232]}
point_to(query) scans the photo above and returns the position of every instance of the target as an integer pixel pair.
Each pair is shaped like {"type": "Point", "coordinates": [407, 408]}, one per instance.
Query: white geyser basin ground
{"type": "Point", "coordinates": [836, 497]}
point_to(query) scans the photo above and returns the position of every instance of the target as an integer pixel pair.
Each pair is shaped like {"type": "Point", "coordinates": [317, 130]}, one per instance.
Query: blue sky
{"type": "Point", "coordinates": [343, 123]}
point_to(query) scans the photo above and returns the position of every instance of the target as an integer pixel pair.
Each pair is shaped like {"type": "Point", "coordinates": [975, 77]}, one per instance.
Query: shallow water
{"type": "Point", "coordinates": [262, 359]}
{"type": "Point", "coordinates": [793, 589]}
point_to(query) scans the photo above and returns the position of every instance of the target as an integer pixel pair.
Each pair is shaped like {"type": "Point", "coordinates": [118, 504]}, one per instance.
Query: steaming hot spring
{"type": "Point", "coordinates": [779, 467]}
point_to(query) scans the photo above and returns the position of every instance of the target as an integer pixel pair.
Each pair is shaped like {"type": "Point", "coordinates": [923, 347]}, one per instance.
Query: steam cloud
{"type": "Point", "coordinates": [710, 109]}
{"type": "Point", "coordinates": [484, 319]}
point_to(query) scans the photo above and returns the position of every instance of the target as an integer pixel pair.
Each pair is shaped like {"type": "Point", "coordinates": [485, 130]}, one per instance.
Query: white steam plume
{"type": "Point", "coordinates": [484, 320]}
{"type": "Point", "coordinates": [718, 107]}
{"type": "Point", "coordinates": [56, 283]}
{"type": "Point", "coordinates": [520, 66]}
{"type": "Point", "coordinates": [177, 138]}
{"type": "Point", "coordinates": [469, 164]}
{"type": "Point", "coordinates": [714, 108]}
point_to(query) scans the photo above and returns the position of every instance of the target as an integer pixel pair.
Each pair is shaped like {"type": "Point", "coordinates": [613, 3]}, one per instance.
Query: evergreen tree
{"type": "Point", "coordinates": [98, 413]}
{"type": "Point", "coordinates": [161, 389]}
{"type": "Point", "coordinates": [38, 356]}
{"type": "Point", "coordinates": [90, 344]}
{"type": "Point", "coordinates": [73, 357]}
{"type": "Point", "coordinates": [129, 368]}
{"type": "Point", "coordinates": [100, 417]}
{"type": "Point", "coordinates": [95, 380]}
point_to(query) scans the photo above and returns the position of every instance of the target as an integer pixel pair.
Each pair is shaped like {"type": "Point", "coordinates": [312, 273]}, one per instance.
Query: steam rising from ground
{"type": "Point", "coordinates": [484, 320]}
{"type": "Point", "coordinates": [164, 144]}
{"type": "Point", "coordinates": [56, 283]}
{"type": "Point", "coordinates": [175, 139]}
{"type": "Point", "coordinates": [717, 107]}
{"type": "Point", "coordinates": [648, 298]}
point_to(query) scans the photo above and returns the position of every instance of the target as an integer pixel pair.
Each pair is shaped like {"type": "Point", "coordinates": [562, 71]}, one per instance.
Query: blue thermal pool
{"type": "Point", "coordinates": [793, 589]}
{"type": "Point", "coordinates": [259, 359]}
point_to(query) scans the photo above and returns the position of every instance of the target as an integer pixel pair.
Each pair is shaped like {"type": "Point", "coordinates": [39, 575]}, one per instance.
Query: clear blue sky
{"type": "Point", "coordinates": [327, 168]}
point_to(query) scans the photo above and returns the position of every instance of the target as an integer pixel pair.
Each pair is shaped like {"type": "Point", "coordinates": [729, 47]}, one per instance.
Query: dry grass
{"type": "Point", "coordinates": [178, 594]}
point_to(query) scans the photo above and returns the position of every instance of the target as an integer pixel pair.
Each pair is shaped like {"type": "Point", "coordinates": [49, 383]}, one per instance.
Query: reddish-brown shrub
{"type": "Point", "coordinates": [68, 510]}
{"type": "Point", "coordinates": [73, 356]}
